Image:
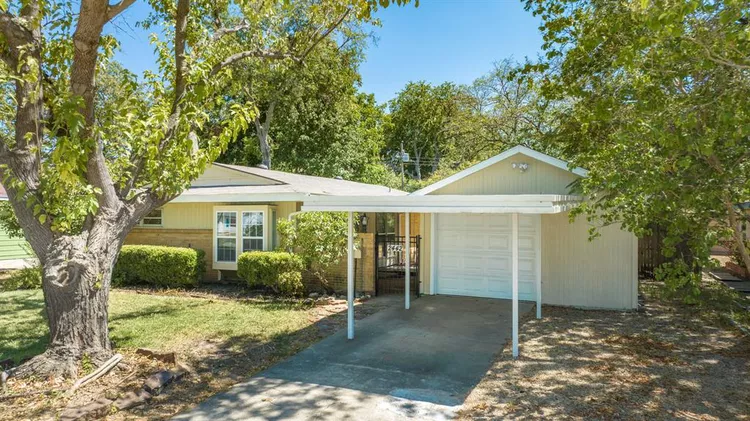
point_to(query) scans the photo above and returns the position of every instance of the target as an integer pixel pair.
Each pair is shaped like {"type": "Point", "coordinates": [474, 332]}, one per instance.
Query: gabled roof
{"type": "Point", "coordinates": [555, 162]}
{"type": "Point", "coordinates": [281, 186]}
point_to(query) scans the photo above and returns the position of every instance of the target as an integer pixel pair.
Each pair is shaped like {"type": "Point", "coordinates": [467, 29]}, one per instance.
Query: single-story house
{"type": "Point", "coordinates": [499, 229]}
{"type": "Point", "coordinates": [230, 209]}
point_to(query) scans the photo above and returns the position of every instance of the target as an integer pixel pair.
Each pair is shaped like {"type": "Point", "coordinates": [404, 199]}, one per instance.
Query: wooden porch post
{"type": "Point", "coordinates": [350, 278]}
{"type": "Point", "coordinates": [407, 260]}
{"type": "Point", "coordinates": [538, 247]}
{"type": "Point", "coordinates": [514, 265]}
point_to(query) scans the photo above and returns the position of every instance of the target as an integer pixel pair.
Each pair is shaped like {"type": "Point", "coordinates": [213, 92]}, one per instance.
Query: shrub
{"type": "Point", "coordinates": [159, 266]}
{"type": "Point", "coordinates": [319, 238]}
{"type": "Point", "coordinates": [26, 278]}
{"type": "Point", "coordinates": [277, 270]}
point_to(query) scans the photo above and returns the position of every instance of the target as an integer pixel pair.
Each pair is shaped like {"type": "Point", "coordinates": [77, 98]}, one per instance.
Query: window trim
{"type": "Point", "coordinates": [396, 220]}
{"type": "Point", "coordinates": [217, 236]}
{"type": "Point", "coordinates": [262, 236]}
{"type": "Point", "coordinates": [161, 220]}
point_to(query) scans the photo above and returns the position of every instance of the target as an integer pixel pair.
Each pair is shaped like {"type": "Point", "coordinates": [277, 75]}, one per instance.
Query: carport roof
{"type": "Point", "coordinates": [506, 203]}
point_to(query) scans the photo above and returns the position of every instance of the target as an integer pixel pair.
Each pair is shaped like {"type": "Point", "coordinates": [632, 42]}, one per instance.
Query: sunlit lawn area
{"type": "Point", "coordinates": [223, 337]}
{"type": "Point", "coordinates": [154, 321]}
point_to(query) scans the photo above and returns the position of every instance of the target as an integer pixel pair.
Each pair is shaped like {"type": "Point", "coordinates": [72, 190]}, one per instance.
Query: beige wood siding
{"type": "Point", "coordinates": [284, 209]}
{"type": "Point", "coordinates": [577, 272]}
{"type": "Point", "coordinates": [187, 216]}
{"type": "Point", "coordinates": [501, 178]}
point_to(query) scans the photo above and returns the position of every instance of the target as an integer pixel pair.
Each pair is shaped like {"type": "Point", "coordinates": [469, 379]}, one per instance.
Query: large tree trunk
{"type": "Point", "coordinates": [261, 132]}
{"type": "Point", "coordinates": [77, 271]}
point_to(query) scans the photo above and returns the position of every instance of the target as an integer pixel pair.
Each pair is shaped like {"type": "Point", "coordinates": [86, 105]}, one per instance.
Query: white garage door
{"type": "Point", "coordinates": [474, 255]}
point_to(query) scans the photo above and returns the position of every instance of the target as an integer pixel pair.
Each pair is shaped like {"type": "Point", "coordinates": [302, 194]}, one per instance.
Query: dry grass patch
{"type": "Point", "coordinates": [668, 361]}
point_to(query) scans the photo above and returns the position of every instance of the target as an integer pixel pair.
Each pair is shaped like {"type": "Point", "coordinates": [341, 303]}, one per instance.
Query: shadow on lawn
{"type": "Point", "coordinates": [23, 339]}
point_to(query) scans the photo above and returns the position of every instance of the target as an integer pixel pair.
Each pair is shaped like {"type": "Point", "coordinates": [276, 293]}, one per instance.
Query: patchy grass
{"type": "Point", "coordinates": [154, 321]}
{"type": "Point", "coordinates": [223, 339]}
{"type": "Point", "coordinates": [668, 361]}
{"type": "Point", "coordinates": [23, 331]}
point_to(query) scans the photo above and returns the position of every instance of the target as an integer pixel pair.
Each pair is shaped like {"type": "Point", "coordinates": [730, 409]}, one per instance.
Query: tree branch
{"type": "Point", "coordinates": [325, 34]}
{"type": "Point", "coordinates": [91, 20]}
{"type": "Point", "coordinates": [226, 31]}
{"type": "Point", "coordinates": [115, 9]}
{"type": "Point", "coordinates": [247, 54]}
{"type": "Point", "coordinates": [180, 86]}
{"type": "Point", "coordinates": [14, 30]}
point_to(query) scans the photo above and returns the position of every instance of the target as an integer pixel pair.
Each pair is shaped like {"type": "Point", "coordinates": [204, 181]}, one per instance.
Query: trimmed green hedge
{"type": "Point", "coordinates": [280, 271]}
{"type": "Point", "coordinates": [160, 266]}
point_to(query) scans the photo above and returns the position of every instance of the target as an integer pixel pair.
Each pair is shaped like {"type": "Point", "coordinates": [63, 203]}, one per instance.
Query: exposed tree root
{"type": "Point", "coordinates": [60, 362]}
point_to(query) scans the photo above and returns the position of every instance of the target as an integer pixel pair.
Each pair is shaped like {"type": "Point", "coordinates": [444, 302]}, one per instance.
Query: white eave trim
{"type": "Point", "coordinates": [559, 163]}
{"type": "Point", "coordinates": [516, 203]}
{"type": "Point", "coordinates": [240, 198]}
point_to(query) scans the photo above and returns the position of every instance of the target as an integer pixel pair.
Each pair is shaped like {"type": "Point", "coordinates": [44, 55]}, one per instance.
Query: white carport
{"type": "Point", "coordinates": [509, 204]}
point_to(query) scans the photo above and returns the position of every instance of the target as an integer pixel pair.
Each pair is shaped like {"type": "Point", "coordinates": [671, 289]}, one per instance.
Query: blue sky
{"type": "Point", "coordinates": [447, 40]}
{"type": "Point", "coordinates": [441, 40]}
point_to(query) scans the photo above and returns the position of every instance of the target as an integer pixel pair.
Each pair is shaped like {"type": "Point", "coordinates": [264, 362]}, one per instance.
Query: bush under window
{"type": "Point", "coordinates": [276, 270]}
{"type": "Point", "coordinates": [26, 278]}
{"type": "Point", "coordinates": [161, 266]}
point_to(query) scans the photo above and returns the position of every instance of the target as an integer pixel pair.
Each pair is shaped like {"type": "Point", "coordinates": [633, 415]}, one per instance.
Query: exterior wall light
{"type": "Point", "coordinates": [521, 166]}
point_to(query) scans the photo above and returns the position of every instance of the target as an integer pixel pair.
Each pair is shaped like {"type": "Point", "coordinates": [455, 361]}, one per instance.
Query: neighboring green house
{"type": "Point", "coordinates": [12, 248]}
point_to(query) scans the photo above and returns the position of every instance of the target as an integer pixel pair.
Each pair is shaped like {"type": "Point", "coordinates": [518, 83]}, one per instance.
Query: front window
{"type": "Point", "coordinates": [252, 231]}
{"type": "Point", "coordinates": [226, 236]}
{"type": "Point", "coordinates": [387, 224]}
{"type": "Point", "coordinates": [153, 219]}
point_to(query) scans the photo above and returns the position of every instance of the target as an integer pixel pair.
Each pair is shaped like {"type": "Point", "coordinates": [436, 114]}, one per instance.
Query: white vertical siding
{"type": "Point", "coordinates": [502, 178]}
{"type": "Point", "coordinates": [582, 273]}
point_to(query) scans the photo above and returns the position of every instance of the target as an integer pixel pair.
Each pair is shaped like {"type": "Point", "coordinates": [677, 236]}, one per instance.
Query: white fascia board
{"type": "Point", "coordinates": [543, 203]}
{"type": "Point", "coordinates": [240, 197]}
{"type": "Point", "coordinates": [555, 162]}
{"type": "Point", "coordinates": [440, 209]}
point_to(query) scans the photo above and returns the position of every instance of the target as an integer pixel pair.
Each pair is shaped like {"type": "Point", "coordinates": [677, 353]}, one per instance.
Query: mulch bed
{"type": "Point", "coordinates": [666, 361]}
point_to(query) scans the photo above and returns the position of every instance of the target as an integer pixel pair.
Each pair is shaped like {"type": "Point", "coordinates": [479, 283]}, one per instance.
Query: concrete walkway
{"type": "Point", "coordinates": [402, 364]}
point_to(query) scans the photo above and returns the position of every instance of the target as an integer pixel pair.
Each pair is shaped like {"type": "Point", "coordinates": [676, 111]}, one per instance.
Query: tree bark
{"type": "Point", "coordinates": [76, 279]}
{"type": "Point", "coordinates": [261, 132]}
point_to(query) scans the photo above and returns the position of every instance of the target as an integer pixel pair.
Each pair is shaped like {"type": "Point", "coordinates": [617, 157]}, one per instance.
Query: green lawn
{"type": "Point", "coordinates": [153, 321]}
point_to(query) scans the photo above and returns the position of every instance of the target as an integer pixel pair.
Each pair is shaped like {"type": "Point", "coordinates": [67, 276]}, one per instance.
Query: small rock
{"type": "Point", "coordinates": [156, 382]}
{"type": "Point", "coordinates": [132, 399]}
{"type": "Point", "coordinates": [314, 295]}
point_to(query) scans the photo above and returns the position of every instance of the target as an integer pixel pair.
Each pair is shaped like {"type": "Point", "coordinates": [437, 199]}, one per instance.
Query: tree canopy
{"type": "Point", "coordinates": [87, 148]}
{"type": "Point", "coordinates": [658, 94]}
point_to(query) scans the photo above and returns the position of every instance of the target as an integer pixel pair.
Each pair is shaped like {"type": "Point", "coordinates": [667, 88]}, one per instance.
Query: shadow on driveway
{"type": "Point", "coordinates": [402, 364]}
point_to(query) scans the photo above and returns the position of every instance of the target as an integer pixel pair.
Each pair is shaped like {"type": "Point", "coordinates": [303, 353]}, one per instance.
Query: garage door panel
{"type": "Point", "coordinates": [498, 242]}
{"type": "Point", "coordinates": [474, 255]}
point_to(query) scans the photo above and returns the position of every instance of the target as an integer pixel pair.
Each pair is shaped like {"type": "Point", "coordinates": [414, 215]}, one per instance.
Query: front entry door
{"type": "Point", "coordinates": [390, 268]}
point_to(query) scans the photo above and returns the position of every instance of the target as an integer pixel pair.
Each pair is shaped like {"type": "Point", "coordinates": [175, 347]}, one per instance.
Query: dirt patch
{"type": "Point", "coordinates": [664, 362]}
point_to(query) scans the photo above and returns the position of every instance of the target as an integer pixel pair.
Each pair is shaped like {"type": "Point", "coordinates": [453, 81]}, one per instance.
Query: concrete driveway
{"type": "Point", "coordinates": [402, 364]}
